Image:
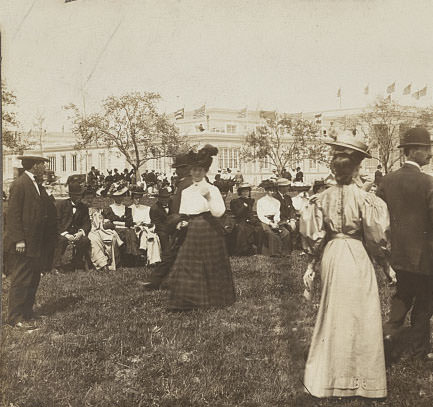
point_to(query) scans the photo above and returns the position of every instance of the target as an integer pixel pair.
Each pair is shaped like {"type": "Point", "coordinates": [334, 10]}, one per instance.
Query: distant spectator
{"type": "Point", "coordinates": [378, 175]}
{"type": "Point", "coordinates": [299, 175]}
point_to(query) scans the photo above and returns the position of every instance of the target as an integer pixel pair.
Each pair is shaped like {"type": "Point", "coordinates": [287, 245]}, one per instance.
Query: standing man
{"type": "Point", "coordinates": [409, 195]}
{"type": "Point", "coordinates": [299, 175]}
{"type": "Point", "coordinates": [378, 175]}
{"type": "Point", "coordinates": [161, 271]}
{"type": "Point", "coordinates": [26, 228]}
{"type": "Point", "coordinates": [159, 216]}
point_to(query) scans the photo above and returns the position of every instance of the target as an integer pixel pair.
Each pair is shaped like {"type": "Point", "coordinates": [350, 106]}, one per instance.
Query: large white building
{"type": "Point", "coordinates": [224, 128]}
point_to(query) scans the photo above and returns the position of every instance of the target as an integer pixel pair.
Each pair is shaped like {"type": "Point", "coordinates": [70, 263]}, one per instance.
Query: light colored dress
{"type": "Point", "coordinates": [346, 356]}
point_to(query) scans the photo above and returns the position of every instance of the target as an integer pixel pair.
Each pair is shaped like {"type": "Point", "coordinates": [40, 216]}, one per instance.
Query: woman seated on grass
{"type": "Point", "coordinates": [140, 237]}
{"type": "Point", "coordinates": [104, 240]}
{"type": "Point", "coordinates": [201, 276]}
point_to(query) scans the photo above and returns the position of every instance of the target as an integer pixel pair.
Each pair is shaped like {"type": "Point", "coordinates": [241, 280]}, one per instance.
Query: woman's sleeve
{"type": "Point", "coordinates": [183, 204]}
{"type": "Point", "coordinates": [376, 226]}
{"type": "Point", "coordinates": [277, 216]}
{"type": "Point", "coordinates": [311, 228]}
{"type": "Point", "coordinates": [260, 215]}
{"type": "Point", "coordinates": [216, 203]}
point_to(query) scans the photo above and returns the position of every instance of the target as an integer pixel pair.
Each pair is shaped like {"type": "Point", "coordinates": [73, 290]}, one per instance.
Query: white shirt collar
{"type": "Point", "coordinates": [32, 176]}
{"type": "Point", "coordinates": [413, 163]}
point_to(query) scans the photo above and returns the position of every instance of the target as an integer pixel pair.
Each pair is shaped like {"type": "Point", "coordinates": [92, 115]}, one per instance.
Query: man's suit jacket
{"type": "Point", "coordinates": [242, 208]}
{"type": "Point", "coordinates": [26, 217]}
{"type": "Point", "coordinates": [70, 222]}
{"type": "Point", "coordinates": [159, 217]}
{"type": "Point", "coordinates": [409, 195]}
{"type": "Point", "coordinates": [287, 211]}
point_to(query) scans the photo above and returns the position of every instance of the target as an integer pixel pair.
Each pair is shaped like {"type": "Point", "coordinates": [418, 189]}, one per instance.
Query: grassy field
{"type": "Point", "coordinates": [104, 341]}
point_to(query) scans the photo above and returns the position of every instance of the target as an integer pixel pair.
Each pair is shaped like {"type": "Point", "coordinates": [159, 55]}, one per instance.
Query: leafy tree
{"type": "Point", "coordinates": [132, 124]}
{"type": "Point", "coordinates": [285, 141]}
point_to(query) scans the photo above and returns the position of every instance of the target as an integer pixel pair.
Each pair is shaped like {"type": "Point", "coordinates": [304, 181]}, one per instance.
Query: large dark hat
{"type": "Point", "coordinates": [137, 190]}
{"type": "Point", "coordinates": [75, 188]}
{"type": "Point", "coordinates": [181, 160]}
{"type": "Point", "coordinates": [267, 184]}
{"type": "Point", "coordinates": [203, 158]}
{"type": "Point", "coordinates": [348, 140]}
{"type": "Point", "coordinates": [417, 136]}
{"type": "Point", "coordinates": [164, 193]}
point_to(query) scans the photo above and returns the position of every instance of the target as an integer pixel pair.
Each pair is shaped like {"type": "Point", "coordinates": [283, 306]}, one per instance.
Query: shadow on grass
{"type": "Point", "coordinates": [58, 305]}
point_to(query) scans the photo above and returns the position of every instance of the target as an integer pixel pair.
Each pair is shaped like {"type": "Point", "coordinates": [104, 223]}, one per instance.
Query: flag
{"type": "Point", "coordinates": [318, 118]}
{"type": "Point", "coordinates": [200, 112]}
{"type": "Point", "coordinates": [339, 93]}
{"type": "Point", "coordinates": [423, 91]}
{"type": "Point", "coordinates": [242, 113]}
{"type": "Point", "coordinates": [68, 1]}
{"type": "Point", "coordinates": [366, 90]}
{"type": "Point", "coordinates": [391, 88]}
{"type": "Point", "coordinates": [179, 114]}
{"type": "Point", "coordinates": [416, 95]}
{"type": "Point", "coordinates": [267, 114]}
{"type": "Point", "coordinates": [388, 98]}
{"type": "Point", "coordinates": [407, 89]}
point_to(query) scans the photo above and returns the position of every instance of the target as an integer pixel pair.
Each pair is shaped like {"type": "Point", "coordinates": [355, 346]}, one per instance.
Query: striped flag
{"type": "Point", "coordinates": [242, 113]}
{"type": "Point", "coordinates": [416, 95]}
{"type": "Point", "coordinates": [423, 91]}
{"type": "Point", "coordinates": [339, 93]}
{"type": "Point", "coordinates": [388, 98]}
{"type": "Point", "coordinates": [407, 89]}
{"type": "Point", "coordinates": [391, 88]}
{"type": "Point", "coordinates": [366, 90]}
{"type": "Point", "coordinates": [200, 112]}
{"type": "Point", "coordinates": [179, 114]}
{"type": "Point", "coordinates": [318, 118]}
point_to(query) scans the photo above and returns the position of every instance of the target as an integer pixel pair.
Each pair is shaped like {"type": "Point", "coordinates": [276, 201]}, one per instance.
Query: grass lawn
{"type": "Point", "coordinates": [104, 341]}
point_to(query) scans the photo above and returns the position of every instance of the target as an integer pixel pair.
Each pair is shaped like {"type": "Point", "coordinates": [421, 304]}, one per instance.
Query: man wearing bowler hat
{"type": "Point", "coordinates": [182, 166]}
{"type": "Point", "coordinates": [159, 213]}
{"type": "Point", "coordinates": [408, 193]}
{"type": "Point", "coordinates": [26, 229]}
{"type": "Point", "coordinates": [287, 211]}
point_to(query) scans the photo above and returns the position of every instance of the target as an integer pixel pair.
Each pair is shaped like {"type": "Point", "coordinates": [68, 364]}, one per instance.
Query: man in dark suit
{"type": "Point", "coordinates": [73, 225]}
{"type": "Point", "coordinates": [182, 166]}
{"type": "Point", "coordinates": [299, 175]}
{"type": "Point", "coordinates": [159, 216]}
{"type": "Point", "coordinates": [409, 195]}
{"type": "Point", "coordinates": [378, 175]}
{"type": "Point", "coordinates": [287, 211]}
{"type": "Point", "coordinates": [26, 229]}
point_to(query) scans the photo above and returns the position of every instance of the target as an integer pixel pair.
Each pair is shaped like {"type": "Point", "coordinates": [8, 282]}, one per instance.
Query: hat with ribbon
{"type": "Point", "coordinates": [283, 182]}
{"type": "Point", "coordinates": [118, 189]}
{"type": "Point", "coordinates": [417, 136]}
{"type": "Point", "coordinates": [181, 160]}
{"type": "Point", "coordinates": [350, 141]}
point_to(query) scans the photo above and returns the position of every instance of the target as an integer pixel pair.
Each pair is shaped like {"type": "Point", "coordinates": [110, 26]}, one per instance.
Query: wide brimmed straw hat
{"type": "Point", "coordinates": [244, 185]}
{"type": "Point", "coordinates": [348, 140]}
{"type": "Point", "coordinates": [118, 189]}
{"type": "Point", "coordinates": [283, 182]}
{"type": "Point", "coordinates": [33, 157]}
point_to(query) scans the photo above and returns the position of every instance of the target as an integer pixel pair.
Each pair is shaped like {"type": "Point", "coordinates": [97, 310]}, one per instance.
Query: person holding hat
{"type": "Point", "coordinates": [73, 225]}
{"type": "Point", "coordinates": [342, 228]}
{"type": "Point", "coordinates": [408, 193]}
{"type": "Point", "coordinates": [140, 237]}
{"type": "Point", "coordinates": [276, 239]}
{"type": "Point", "coordinates": [287, 211]}
{"type": "Point", "coordinates": [201, 276]}
{"type": "Point", "coordinates": [248, 231]}
{"type": "Point", "coordinates": [27, 222]}
{"type": "Point", "coordinates": [159, 213]}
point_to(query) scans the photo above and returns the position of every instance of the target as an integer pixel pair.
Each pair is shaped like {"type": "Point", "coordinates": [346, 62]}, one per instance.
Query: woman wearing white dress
{"type": "Point", "coordinates": [342, 227]}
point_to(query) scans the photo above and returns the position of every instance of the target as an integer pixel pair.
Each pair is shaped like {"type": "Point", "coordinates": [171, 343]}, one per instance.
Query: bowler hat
{"type": "Point", "coordinates": [244, 185]}
{"type": "Point", "coordinates": [75, 188]}
{"type": "Point", "coordinates": [348, 140]}
{"type": "Point", "coordinates": [164, 193]}
{"type": "Point", "coordinates": [33, 158]}
{"type": "Point", "coordinates": [417, 136]}
{"type": "Point", "coordinates": [283, 182]}
{"type": "Point", "coordinates": [181, 160]}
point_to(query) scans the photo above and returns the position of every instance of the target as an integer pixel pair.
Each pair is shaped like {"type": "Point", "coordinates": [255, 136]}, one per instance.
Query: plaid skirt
{"type": "Point", "coordinates": [201, 276]}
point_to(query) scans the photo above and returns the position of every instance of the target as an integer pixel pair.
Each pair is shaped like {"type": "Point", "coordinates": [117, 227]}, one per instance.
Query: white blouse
{"type": "Point", "coordinates": [268, 206]}
{"type": "Point", "coordinates": [140, 214]}
{"type": "Point", "coordinates": [118, 210]}
{"type": "Point", "coordinates": [193, 202]}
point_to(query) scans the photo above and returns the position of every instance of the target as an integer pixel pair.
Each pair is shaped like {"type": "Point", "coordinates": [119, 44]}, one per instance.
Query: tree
{"type": "Point", "coordinates": [13, 138]}
{"type": "Point", "coordinates": [285, 141]}
{"type": "Point", "coordinates": [382, 125]}
{"type": "Point", "coordinates": [132, 124]}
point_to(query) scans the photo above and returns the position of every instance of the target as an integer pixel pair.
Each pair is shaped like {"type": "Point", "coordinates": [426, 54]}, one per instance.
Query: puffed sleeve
{"type": "Point", "coordinates": [216, 203]}
{"type": "Point", "coordinates": [260, 213]}
{"type": "Point", "coordinates": [376, 226]}
{"type": "Point", "coordinates": [311, 228]}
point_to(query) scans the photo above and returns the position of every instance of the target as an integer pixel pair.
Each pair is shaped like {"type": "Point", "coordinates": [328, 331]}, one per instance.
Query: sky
{"type": "Point", "coordinates": [284, 55]}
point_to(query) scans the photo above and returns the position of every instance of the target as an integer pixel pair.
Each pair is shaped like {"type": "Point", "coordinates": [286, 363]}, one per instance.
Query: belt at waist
{"type": "Point", "coordinates": [196, 215]}
{"type": "Point", "coordinates": [345, 236]}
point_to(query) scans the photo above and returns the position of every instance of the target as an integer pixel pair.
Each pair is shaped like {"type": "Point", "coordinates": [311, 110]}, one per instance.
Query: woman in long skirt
{"type": "Point", "coordinates": [201, 276]}
{"type": "Point", "coordinates": [346, 224]}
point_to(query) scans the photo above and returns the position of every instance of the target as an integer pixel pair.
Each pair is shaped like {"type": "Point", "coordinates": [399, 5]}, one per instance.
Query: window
{"type": "Point", "coordinates": [63, 163]}
{"type": "Point", "coordinates": [231, 128]}
{"type": "Point", "coordinates": [102, 161]}
{"type": "Point", "coordinates": [158, 163]}
{"type": "Point", "coordinates": [52, 162]}
{"type": "Point", "coordinates": [74, 162]}
{"type": "Point", "coordinates": [229, 157]}
{"type": "Point", "coordinates": [266, 163]}
{"type": "Point", "coordinates": [312, 164]}
{"type": "Point", "coordinates": [89, 161]}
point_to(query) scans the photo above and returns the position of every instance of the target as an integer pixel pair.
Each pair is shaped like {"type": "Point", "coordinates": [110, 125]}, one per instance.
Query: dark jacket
{"type": "Point", "coordinates": [70, 222]}
{"type": "Point", "coordinates": [159, 217]}
{"type": "Point", "coordinates": [409, 195]}
{"type": "Point", "coordinates": [242, 208]}
{"type": "Point", "coordinates": [110, 215]}
{"type": "Point", "coordinates": [26, 217]}
{"type": "Point", "coordinates": [287, 211]}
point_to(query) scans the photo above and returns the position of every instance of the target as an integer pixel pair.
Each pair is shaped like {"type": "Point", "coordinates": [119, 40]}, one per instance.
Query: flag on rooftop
{"type": "Point", "coordinates": [407, 89]}
{"type": "Point", "coordinates": [339, 93]}
{"type": "Point", "coordinates": [179, 114]}
{"type": "Point", "coordinates": [318, 118]}
{"type": "Point", "coordinates": [423, 91]}
{"type": "Point", "coordinates": [391, 88]}
{"type": "Point", "coordinates": [416, 95]}
{"type": "Point", "coordinates": [366, 90]}
{"type": "Point", "coordinates": [242, 113]}
{"type": "Point", "coordinates": [200, 112]}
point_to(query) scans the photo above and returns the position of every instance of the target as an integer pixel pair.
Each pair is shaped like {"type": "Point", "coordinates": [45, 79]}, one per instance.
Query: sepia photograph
{"type": "Point", "coordinates": [221, 203]}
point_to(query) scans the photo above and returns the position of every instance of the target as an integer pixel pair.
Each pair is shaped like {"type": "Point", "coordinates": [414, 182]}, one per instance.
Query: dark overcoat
{"type": "Point", "coordinates": [409, 195]}
{"type": "Point", "coordinates": [287, 211]}
{"type": "Point", "coordinates": [70, 222]}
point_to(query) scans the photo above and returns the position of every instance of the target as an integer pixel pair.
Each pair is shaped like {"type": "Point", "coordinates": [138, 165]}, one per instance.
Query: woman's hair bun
{"type": "Point", "coordinates": [209, 150]}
